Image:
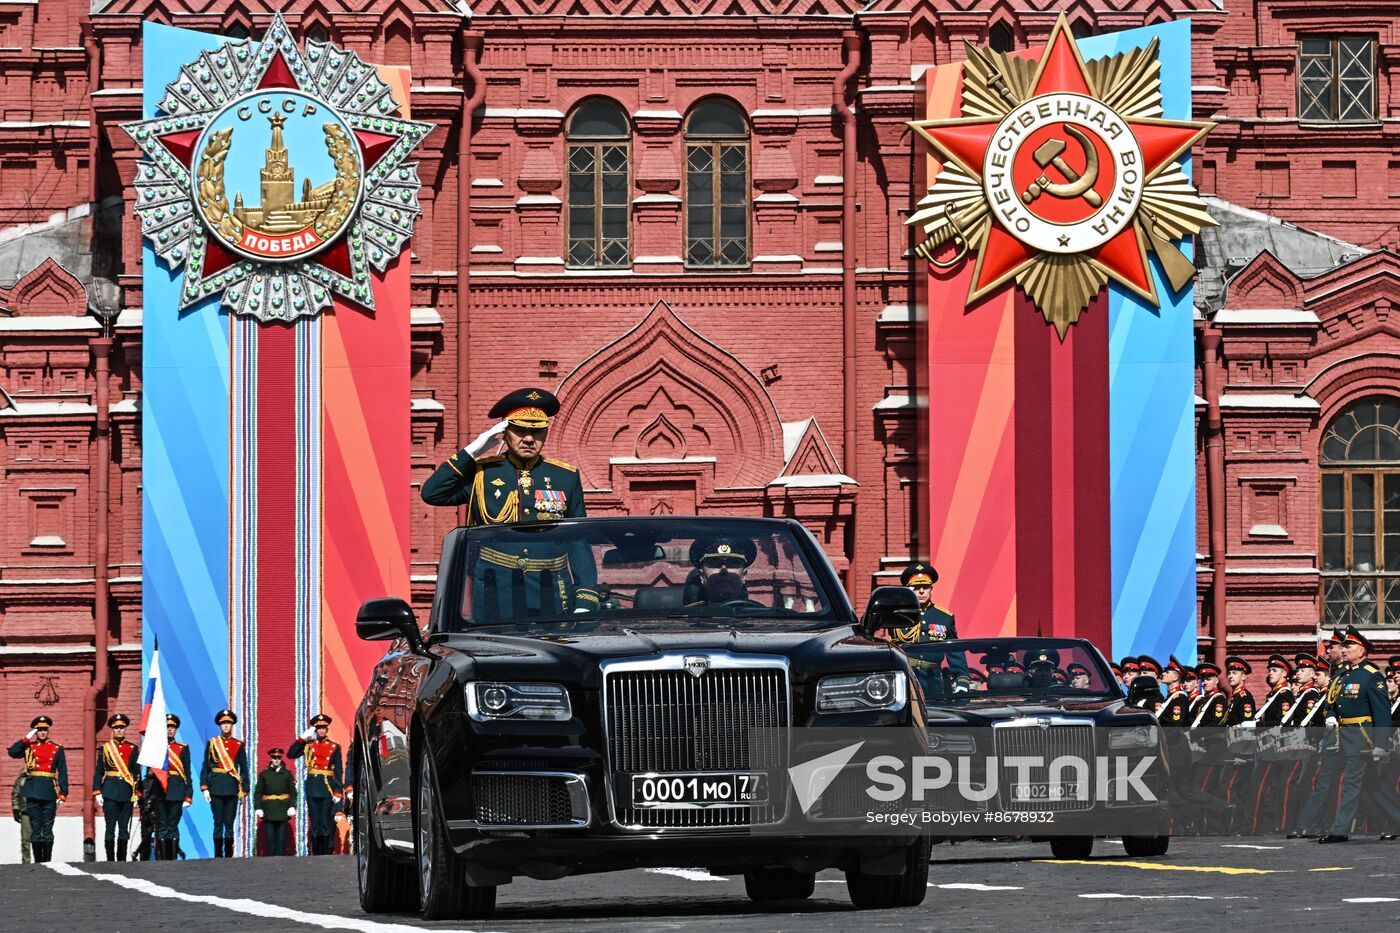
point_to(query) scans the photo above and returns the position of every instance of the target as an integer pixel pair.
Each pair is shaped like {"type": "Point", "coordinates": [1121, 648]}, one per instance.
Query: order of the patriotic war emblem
{"type": "Point", "coordinates": [277, 178]}
{"type": "Point", "coordinates": [1061, 175]}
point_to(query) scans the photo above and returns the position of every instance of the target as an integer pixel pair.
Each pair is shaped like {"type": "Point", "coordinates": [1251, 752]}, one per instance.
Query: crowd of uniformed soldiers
{"type": "Point", "coordinates": [1316, 757]}
{"type": "Point", "coordinates": [119, 786]}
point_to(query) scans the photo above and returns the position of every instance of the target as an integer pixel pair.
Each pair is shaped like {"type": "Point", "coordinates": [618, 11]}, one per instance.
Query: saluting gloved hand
{"type": "Point", "coordinates": [486, 440]}
{"type": "Point", "coordinates": [291, 811]}
{"type": "Point", "coordinates": [1331, 721]}
{"type": "Point", "coordinates": [206, 796]}
{"type": "Point", "coordinates": [308, 735]}
{"type": "Point", "coordinates": [29, 736]}
{"type": "Point", "coordinates": [335, 797]}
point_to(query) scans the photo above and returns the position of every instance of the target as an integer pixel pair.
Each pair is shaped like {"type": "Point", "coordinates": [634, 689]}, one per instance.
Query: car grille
{"type": "Point", "coordinates": [671, 721]}
{"type": "Point", "coordinates": [503, 799]}
{"type": "Point", "coordinates": [1047, 744]}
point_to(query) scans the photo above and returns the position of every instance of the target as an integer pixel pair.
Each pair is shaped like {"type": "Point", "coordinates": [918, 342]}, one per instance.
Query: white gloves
{"type": "Point", "coordinates": [581, 610]}
{"type": "Point", "coordinates": [486, 440]}
{"type": "Point", "coordinates": [206, 796]}
{"type": "Point", "coordinates": [1250, 724]}
{"type": "Point", "coordinates": [1377, 754]}
{"type": "Point", "coordinates": [335, 797]}
{"type": "Point", "coordinates": [308, 735]}
{"type": "Point", "coordinates": [29, 736]}
{"type": "Point", "coordinates": [258, 814]}
{"type": "Point", "coordinates": [1331, 720]}
{"type": "Point", "coordinates": [187, 803]}
{"type": "Point", "coordinates": [97, 799]}
{"type": "Point", "coordinates": [291, 811]}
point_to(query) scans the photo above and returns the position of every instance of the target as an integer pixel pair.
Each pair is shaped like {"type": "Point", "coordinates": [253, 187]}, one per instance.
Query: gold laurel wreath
{"type": "Point", "coordinates": [347, 181]}
{"type": "Point", "coordinates": [212, 199]}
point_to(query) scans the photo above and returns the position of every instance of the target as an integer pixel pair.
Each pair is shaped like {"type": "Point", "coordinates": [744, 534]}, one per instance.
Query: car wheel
{"type": "Point", "coordinates": [1071, 847]}
{"type": "Point", "coordinates": [386, 885]}
{"type": "Point", "coordinates": [779, 884]}
{"type": "Point", "coordinates": [443, 892]}
{"type": "Point", "coordinates": [1146, 846]}
{"type": "Point", "coordinates": [874, 892]}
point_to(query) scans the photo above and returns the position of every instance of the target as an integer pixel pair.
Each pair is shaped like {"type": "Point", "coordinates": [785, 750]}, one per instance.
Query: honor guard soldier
{"type": "Point", "coordinates": [114, 785]}
{"type": "Point", "coordinates": [1191, 683]}
{"type": "Point", "coordinates": [1173, 711]}
{"type": "Point", "coordinates": [1321, 778]}
{"type": "Point", "coordinates": [224, 780]}
{"type": "Point", "coordinates": [179, 791]}
{"type": "Point", "coordinates": [45, 783]}
{"type": "Point", "coordinates": [1150, 666]}
{"type": "Point", "coordinates": [521, 485]}
{"type": "Point", "coordinates": [1360, 713]}
{"type": "Point", "coordinates": [325, 780]}
{"type": "Point", "coordinates": [274, 800]}
{"type": "Point", "coordinates": [1117, 674]}
{"type": "Point", "coordinates": [1305, 693]}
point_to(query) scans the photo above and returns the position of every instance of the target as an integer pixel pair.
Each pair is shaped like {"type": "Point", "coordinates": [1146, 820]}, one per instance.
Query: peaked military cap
{"type": "Point", "coordinates": [1208, 669]}
{"type": "Point", "coordinates": [172, 720]}
{"type": "Point", "coordinates": [1042, 656]}
{"type": "Point", "coordinates": [225, 715]}
{"type": "Point", "coordinates": [40, 722]}
{"type": "Point", "coordinates": [274, 753]}
{"type": "Point", "coordinates": [1323, 664]}
{"type": "Point", "coordinates": [1014, 667]}
{"type": "Point", "coordinates": [1129, 664]}
{"type": "Point", "coordinates": [1174, 665]}
{"type": "Point", "coordinates": [1190, 673]}
{"type": "Point", "coordinates": [1147, 662]}
{"type": "Point", "coordinates": [320, 719]}
{"type": "Point", "coordinates": [1305, 660]}
{"type": "Point", "coordinates": [1075, 668]}
{"type": "Point", "coordinates": [1233, 663]}
{"type": "Point", "coordinates": [1279, 661]}
{"type": "Point", "coordinates": [919, 575]}
{"type": "Point", "coordinates": [977, 676]}
{"type": "Point", "coordinates": [1352, 636]}
{"type": "Point", "coordinates": [723, 548]}
{"type": "Point", "coordinates": [118, 719]}
{"type": "Point", "coordinates": [1117, 671]}
{"type": "Point", "coordinates": [527, 408]}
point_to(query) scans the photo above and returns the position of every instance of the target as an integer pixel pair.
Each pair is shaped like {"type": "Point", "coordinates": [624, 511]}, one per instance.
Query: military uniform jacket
{"type": "Point", "coordinates": [275, 793]}
{"type": "Point", "coordinates": [1212, 710]}
{"type": "Point", "coordinates": [1241, 707]}
{"type": "Point", "coordinates": [45, 769]}
{"type": "Point", "coordinates": [1175, 710]}
{"type": "Point", "coordinates": [1303, 705]}
{"type": "Point", "coordinates": [1276, 707]}
{"type": "Point", "coordinates": [116, 772]}
{"type": "Point", "coordinates": [225, 769]}
{"type": "Point", "coordinates": [1361, 698]}
{"type": "Point", "coordinates": [325, 776]}
{"type": "Point", "coordinates": [500, 490]}
{"type": "Point", "coordinates": [177, 769]}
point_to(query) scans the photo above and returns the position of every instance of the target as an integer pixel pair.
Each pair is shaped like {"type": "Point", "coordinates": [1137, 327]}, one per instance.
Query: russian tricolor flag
{"type": "Point", "coordinates": [155, 747]}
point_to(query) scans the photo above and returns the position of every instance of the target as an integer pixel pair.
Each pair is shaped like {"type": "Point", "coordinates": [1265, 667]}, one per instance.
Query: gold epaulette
{"type": "Point", "coordinates": [561, 464]}
{"type": "Point", "coordinates": [494, 458]}
{"type": "Point", "coordinates": [1370, 667]}
{"type": "Point", "coordinates": [947, 612]}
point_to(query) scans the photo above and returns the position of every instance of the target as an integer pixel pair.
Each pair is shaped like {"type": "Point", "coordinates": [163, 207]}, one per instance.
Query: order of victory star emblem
{"type": "Point", "coordinates": [276, 177]}
{"type": "Point", "coordinates": [1060, 176]}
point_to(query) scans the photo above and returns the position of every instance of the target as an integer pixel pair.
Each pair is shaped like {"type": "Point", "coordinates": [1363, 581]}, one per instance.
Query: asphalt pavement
{"type": "Point", "coordinates": [1261, 883]}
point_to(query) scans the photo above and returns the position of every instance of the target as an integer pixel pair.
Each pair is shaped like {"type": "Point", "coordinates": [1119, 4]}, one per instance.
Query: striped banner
{"type": "Point", "coordinates": [275, 488]}
{"type": "Point", "coordinates": [1062, 475]}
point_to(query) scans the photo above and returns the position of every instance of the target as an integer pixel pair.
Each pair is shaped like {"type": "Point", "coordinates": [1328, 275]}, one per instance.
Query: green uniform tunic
{"type": "Point", "coordinates": [540, 578]}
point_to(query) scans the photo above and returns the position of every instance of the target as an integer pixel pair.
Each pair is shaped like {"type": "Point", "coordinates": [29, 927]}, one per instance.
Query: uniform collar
{"type": "Point", "coordinates": [516, 462]}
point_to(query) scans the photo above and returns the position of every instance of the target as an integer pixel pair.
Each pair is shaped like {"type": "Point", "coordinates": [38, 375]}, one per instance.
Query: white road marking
{"type": "Point", "coordinates": [974, 886]}
{"type": "Point", "coordinates": [242, 905]}
{"type": "Point", "coordinates": [1370, 900]}
{"type": "Point", "coordinates": [1108, 895]}
{"type": "Point", "coordinates": [1243, 846]}
{"type": "Point", "coordinates": [689, 874]}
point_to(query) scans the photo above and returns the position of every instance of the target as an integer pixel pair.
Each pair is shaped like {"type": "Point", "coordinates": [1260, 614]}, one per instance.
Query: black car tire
{"type": "Point", "coordinates": [779, 884]}
{"type": "Point", "coordinates": [1071, 847]}
{"type": "Point", "coordinates": [386, 885]}
{"type": "Point", "coordinates": [443, 891]}
{"type": "Point", "coordinates": [1146, 846]}
{"type": "Point", "coordinates": [878, 892]}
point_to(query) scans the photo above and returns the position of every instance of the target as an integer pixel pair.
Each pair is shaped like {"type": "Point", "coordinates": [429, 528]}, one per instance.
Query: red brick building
{"type": "Point", "coordinates": [688, 218]}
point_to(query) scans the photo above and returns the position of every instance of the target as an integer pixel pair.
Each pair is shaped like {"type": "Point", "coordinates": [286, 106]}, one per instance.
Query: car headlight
{"type": "Point", "coordinates": [1133, 737]}
{"type": "Point", "coordinates": [488, 701]}
{"type": "Point", "coordinates": [886, 690]}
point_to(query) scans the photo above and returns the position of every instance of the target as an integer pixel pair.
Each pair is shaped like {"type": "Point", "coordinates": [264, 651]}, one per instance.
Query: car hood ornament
{"type": "Point", "coordinates": [696, 664]}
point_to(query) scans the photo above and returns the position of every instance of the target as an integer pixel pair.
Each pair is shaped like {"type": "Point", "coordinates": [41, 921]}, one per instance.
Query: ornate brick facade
{"type": "Point", "coordinates": [781, 388]}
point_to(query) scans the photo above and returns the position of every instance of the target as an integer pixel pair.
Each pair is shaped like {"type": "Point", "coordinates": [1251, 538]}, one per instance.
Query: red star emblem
{"type": "Point", "coordinates": [1062, 172]}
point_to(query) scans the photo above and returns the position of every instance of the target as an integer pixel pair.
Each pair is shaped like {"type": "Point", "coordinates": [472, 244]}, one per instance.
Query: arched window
{"type": "Point", "coordinates": [716, 186]}
{"type": "Point", "coordinates": [1081, 29]}
{"type": "Point", "coordinates": [1000, 38]}
{"type": "Point", "coordinates": [600, 186]}
{"type": "Point", "coordinates": [317, 32]}
{"type": "Point", "coordinates": [1361, 515]}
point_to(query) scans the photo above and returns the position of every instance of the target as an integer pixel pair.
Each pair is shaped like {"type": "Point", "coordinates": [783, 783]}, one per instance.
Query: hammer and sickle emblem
{"type": "Point", "coordinates": [1076, 185]}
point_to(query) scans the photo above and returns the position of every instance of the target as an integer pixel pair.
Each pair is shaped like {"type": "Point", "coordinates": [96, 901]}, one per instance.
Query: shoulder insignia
{"type": "Point", "coordinates": [1370, 667]}
{"type": "Point", "coordinates": [561, 464]}
{"type": "Point", "coordinates": [943, 609]}
{"type": "Point", "coordinates": [494, 458]}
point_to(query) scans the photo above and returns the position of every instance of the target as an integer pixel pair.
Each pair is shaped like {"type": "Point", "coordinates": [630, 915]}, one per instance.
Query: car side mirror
{"type": "Point", "coordinates": [889, 607]}
{"type": "Point", "coordinates": [386, 617]}
{"type": "Point", "coordinates": [1143, 687]}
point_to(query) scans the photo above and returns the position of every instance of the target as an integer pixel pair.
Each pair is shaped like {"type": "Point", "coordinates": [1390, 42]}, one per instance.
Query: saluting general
{"type": "Point", "coordinates": [520, 485]}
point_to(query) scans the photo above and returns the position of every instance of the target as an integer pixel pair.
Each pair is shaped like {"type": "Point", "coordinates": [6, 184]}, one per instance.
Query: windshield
{"type": "Point", "coordinates": [637, 573]}
{"type": "Point", "coordinates": [1040, 669]}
